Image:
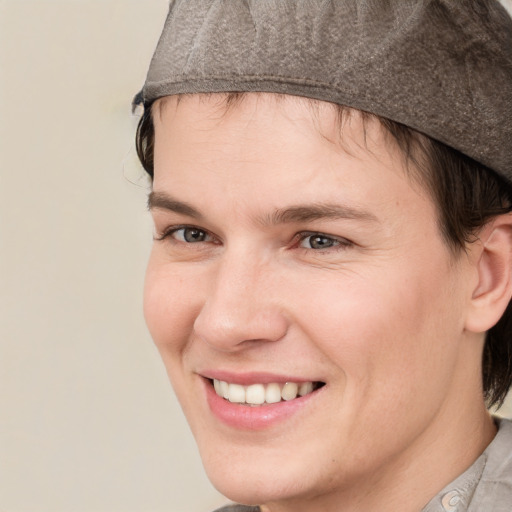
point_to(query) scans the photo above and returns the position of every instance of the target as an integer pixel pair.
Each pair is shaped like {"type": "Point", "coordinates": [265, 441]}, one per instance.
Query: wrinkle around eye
{"type": "Point", "coordinates": [169, 248]}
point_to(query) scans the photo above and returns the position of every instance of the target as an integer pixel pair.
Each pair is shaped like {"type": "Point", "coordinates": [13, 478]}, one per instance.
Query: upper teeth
{"type": "Point", "coordinates": [257, 394]}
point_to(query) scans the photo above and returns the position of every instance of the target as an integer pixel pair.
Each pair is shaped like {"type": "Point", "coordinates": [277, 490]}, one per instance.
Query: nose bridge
{"type": "Point", "coordinates": [240, 304]}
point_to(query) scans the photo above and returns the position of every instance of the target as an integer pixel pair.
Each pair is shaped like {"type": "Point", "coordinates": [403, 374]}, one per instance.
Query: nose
{"type": "Point", "coordinates": [241, 306]}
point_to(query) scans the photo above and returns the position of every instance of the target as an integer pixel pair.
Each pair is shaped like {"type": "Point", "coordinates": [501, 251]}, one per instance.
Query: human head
{"type": "Point", "coordinates": [466, 181]}
{"type": "Point", "coordinates": [388, 320]}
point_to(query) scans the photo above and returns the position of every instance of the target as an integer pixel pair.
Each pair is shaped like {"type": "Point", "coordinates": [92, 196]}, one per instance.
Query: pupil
{"type": "Point", "coordinates": [194, 235]}
{"type": "Point", "coordinates": [320, 242]}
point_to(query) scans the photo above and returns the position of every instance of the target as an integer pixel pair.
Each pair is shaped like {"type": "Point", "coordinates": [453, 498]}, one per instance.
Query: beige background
{"type": "Point", "coordinates": [87, 419]}
{"type": "Point", "coordinates": [88, 422]}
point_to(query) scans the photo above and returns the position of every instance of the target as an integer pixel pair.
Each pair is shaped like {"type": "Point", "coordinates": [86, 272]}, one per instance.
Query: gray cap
{"type": "Point", "coordinates": [442, 67]}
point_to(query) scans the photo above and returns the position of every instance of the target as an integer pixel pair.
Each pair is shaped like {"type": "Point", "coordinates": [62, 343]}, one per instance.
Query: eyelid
{"type": "Point", "coordinates": [341, 242]}
{"type": "Point", "coordinates": [170, 230]}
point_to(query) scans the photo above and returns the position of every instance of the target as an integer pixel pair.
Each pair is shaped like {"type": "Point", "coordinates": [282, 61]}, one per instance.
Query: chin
{"type": "Point", "coordinates": [256, 475]}
{"type": "Point", "coordinates": [253, 488]}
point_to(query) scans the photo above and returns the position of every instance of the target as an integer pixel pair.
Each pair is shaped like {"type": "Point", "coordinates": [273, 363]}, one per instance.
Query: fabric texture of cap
{"type": "Point", "coordinates": [442, 67]}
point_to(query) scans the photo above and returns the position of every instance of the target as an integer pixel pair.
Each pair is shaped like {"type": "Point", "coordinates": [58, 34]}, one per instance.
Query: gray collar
{"type": "Point", "coordinates": [487, 485]}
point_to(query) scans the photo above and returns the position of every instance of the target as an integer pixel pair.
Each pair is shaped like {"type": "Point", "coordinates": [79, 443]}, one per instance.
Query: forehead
{"type": "Point", "coordinates": [331, 122]}
{"type": "Point", "coordinates": [274, 132]}
{"type": "Point", "coordinates": [336, 127]}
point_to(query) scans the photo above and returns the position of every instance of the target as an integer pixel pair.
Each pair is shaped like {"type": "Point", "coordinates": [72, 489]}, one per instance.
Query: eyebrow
{"type": "Point", "coordinates": [317, 211]}
{"type": "Point", "coordinates": [161, 201]}
{"type": "Point", "coordinates": [288, 215]}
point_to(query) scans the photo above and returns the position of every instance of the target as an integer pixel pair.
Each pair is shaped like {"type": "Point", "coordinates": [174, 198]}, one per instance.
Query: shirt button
{"type": "Point", "coordinates": [450, 501]}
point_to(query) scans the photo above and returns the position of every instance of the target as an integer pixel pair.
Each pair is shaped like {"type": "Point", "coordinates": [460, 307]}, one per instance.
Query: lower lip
{"type": "Point", "coordinates": [260, 417]}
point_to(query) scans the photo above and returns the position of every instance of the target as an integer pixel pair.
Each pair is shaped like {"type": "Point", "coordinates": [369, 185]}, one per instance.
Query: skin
{"type": "Point", "coordinates": [385, 315]}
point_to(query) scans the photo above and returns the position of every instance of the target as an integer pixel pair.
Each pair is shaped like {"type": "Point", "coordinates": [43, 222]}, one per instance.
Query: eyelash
{"type": "Point", "coordinates": [337, 243]}
{"type": "Point", "coordinates": [169, 232]}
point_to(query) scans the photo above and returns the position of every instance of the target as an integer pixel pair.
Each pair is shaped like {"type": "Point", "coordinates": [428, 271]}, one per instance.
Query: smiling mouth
{"type": "Point", "coordinates": [260, 394]}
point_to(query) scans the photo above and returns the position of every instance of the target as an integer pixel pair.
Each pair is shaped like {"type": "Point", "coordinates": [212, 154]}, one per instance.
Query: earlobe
{"type": "Point", "coordinates": [493, 264]}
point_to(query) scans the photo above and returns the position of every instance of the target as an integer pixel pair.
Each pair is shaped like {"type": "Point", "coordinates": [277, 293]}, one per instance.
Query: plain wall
{"type": "Point", "coordinates": [88, 422]}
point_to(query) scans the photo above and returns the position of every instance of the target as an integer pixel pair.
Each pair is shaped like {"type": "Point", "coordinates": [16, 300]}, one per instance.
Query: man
{"type": "Point", "coordinates": [331, 272]}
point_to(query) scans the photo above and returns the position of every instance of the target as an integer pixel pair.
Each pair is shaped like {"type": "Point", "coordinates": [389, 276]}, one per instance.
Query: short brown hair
{"type": "Point", "coordinates": [467, 195]}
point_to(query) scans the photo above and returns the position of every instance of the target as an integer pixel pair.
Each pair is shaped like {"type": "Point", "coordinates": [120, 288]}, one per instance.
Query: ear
{"type": "Point", "coordinates": [493, 264]}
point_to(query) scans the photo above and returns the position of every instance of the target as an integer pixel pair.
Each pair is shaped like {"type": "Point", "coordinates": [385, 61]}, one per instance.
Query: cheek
{"type": "Point", "coordinates": [170, 299]}
{"type": "Point", "coordinates": [389, 333]}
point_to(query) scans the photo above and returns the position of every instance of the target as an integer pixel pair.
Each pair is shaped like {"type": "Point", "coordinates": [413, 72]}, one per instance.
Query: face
{"type": "Point", "coordinates": [287, 261]}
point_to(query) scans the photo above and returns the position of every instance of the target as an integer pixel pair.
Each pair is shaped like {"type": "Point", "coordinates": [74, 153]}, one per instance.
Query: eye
{"type": "Point", "coordinates": [190, 235]}
{"type": "Point", "coordinates": [186, 235]}
{"type": "Point", "coordinates": [318, 241]}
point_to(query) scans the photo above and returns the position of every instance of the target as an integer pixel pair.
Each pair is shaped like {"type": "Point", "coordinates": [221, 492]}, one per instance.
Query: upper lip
{"type": "Point", "coordinates": [248, 378]}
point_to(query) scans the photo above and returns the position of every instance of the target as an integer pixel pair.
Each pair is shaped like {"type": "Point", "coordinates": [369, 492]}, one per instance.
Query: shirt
{"type": "Point", "coordinates": [487, 485]}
